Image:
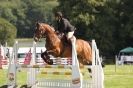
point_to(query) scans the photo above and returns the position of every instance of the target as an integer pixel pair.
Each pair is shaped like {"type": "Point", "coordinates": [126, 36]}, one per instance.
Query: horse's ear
{"type": "Point", "coordinates": [37, 24]}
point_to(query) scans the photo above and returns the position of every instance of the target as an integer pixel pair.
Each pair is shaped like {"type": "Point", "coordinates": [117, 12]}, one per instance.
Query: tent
{"type": "Point", "coordinates": [127, 50]}
{"type": "Point", "coordinates": [125, 55]}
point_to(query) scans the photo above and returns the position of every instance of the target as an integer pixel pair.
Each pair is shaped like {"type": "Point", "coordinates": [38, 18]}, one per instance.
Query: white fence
{"type": "Point", "coordinates": [97, 80]}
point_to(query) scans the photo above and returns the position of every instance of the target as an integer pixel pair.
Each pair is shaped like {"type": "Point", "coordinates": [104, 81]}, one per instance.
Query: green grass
{"type": "Point", "coordinates": [122, 77]}
{"type": "Point", "coordinates": [2, 76]}
{"type": "Point", "coordinates": [21, 77]}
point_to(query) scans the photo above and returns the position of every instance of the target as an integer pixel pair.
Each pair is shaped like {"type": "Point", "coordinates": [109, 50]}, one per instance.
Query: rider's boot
{"type": "Point", "coordinates": [67, 42]}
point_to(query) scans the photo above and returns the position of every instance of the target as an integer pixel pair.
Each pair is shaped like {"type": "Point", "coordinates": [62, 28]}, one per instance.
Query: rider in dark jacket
{"type": "Point", "coordinates": [64, 26]}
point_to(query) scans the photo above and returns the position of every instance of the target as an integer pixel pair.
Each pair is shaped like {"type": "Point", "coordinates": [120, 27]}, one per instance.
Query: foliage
{"type": "Point", "coordinates": [109, 22]}
{"type": "Point", "coordinates": [7, 32]}
{"type": "Point", "coordinates": [25, 13]}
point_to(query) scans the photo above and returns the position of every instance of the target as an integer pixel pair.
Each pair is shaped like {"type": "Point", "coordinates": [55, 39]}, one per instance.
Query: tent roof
{"type": "Point", "coordinates": [127, 50]}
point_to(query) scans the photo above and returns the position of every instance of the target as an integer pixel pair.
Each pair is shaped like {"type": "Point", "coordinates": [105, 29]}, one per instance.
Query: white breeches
{"type": "Point", "coordinates": [70, 35]}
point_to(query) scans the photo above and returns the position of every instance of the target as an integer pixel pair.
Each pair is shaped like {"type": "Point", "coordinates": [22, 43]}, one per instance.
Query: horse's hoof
{"type": "Point", "coordinates": [46, 58]}
{"type": "Point", "coordinates": [89, 70]}
{"type": "Point", "coordinates": [42, 55]}
{"type": "Point", "coordinates": [25, 86]}
{"type": "Point", "coordinates": [49, 61]}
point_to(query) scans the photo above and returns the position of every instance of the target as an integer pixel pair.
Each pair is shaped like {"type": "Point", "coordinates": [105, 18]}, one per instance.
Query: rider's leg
{"type": "Point", "coordinates": [69, 35]}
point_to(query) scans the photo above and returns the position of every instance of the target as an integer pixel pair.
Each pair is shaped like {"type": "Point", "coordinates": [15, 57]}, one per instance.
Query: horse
{"type": "Point", "coordinates": [55, 46]}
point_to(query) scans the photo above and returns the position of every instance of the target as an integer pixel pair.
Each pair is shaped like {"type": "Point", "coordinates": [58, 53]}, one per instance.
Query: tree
{"type": "Point", "coordinates": [109, 22]}
{"type": "Point", "coordinates": [85, 19]}
{"type": "Point", "coordinates": [25, 13]}
{"type": "Point", "coordinates": [7, 32]}
{"type": "Point", "coordinates": [39, 10]}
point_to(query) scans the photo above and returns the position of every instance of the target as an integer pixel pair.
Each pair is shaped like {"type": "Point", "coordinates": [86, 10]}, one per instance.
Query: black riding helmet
{"type": "Point", "coordinates": [58, 14]}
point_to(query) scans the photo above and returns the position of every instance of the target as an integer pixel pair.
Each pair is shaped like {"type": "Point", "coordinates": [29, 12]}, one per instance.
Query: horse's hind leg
{"type": "Point", "coordinates": [83, 61]}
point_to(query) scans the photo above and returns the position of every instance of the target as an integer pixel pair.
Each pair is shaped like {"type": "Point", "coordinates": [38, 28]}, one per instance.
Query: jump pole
{"type": "Point", "coordinates": [11, 75]}
{"type": "Point", "coordinates": [76, 74]}
{"type": "Point", "coordinates": [31, 79]}
{"type": "Point", "coordinates": [12, 69]}
{"type": "Point", "coordinates": [97, 71]}
{"type": "Point", "coordinates": [1, 57]}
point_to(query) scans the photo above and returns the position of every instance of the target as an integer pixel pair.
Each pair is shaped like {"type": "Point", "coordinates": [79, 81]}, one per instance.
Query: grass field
{"type": "Point", "coordinates": [122, 77]}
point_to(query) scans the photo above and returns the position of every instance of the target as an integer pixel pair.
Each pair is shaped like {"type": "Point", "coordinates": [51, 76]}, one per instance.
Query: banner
{"type": "Point", "coordinates": [1, 55]}
{"type": "Point", "coordinates": [28, 57]}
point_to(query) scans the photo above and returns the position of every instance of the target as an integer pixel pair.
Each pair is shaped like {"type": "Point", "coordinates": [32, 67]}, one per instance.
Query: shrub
{"type": "Point", "coordinates": [7, 32]}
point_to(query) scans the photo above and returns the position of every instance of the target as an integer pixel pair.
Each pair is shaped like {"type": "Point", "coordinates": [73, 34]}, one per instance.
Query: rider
{"type": "Point", "coordinates": [64, 26]}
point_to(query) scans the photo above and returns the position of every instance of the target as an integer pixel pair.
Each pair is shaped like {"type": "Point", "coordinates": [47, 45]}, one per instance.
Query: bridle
{"type": "Point", "coordinates": [41, 32]}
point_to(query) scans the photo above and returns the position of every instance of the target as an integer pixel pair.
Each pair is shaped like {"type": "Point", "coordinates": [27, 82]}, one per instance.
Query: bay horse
{"type": "Point", "coordinates": [55, 46]}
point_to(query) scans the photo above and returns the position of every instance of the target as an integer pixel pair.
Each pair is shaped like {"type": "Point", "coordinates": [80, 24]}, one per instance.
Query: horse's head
{"type": "Point", "coordinates": [44, 30]}
{"type": "Point", "coordinates": [41, 30]}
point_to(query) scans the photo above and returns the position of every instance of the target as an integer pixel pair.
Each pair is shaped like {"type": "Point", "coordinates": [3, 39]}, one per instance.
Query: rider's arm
{"type": "Point", "coordinates": [65, 24]}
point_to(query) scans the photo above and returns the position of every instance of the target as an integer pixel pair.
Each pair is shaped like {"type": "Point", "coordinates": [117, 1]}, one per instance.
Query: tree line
{"type": "Point", "coordinates": [109, 22]}
{"type": "Point", "coordinates": [23, 14]}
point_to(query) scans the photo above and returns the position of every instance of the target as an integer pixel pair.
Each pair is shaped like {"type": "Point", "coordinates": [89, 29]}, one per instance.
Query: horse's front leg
{"type": "Point", "coordinates": [46, 57]}
{"type": "Point", "coordinates": [54, 52]}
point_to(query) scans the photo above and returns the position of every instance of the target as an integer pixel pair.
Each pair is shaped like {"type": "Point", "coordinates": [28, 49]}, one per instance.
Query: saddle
{"type": "Point", "coordinates": [64, 39]}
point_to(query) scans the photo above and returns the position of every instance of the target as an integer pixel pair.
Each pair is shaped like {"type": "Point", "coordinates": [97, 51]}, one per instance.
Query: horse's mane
{"type": "Point", "coordinates": [47, 25]}
{"type": "Point", "coordinates": [52, 37]}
